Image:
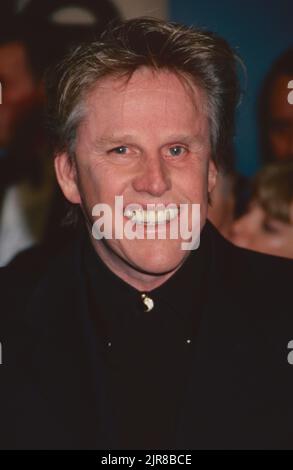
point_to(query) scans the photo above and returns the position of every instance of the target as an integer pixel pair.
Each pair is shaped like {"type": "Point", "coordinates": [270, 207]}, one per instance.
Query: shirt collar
{"type": "Point", "coordinates": [184, 291]}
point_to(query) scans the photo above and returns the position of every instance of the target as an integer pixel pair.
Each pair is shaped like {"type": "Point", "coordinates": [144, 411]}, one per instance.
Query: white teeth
{"type": "Point", "coordinates": [151, 217]}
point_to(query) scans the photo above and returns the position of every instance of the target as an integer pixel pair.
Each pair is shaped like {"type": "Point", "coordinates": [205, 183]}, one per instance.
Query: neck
{"type": "Point", "coordinates": [140, 280]}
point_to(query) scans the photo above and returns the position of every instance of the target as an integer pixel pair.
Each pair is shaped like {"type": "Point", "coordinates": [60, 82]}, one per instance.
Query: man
{"type": "Point", "coordinates": [135, 342]}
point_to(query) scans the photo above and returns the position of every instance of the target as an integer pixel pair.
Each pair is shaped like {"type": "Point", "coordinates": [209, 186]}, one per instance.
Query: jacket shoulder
{"type": "Point", "coordinates": [22, 277]}
{"type": "Point", "coordinates": [251, 264]}
{"type": "Point", "coordinates": [262, 281]}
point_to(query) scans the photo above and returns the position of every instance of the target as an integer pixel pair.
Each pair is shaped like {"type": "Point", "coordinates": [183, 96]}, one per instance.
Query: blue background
{"type": "Point", "coordinates": [259, 31]}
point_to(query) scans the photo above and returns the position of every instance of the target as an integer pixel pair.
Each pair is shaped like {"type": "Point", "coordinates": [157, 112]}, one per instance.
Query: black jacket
{"type": "Point", "coordinates": [240, 388]}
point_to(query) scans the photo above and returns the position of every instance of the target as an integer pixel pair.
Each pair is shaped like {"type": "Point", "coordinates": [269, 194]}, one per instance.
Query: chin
{"type": "Point", "coordinates": [158, 260]}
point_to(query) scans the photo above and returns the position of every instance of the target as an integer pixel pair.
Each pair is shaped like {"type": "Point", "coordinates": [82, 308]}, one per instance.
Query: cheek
{"type": "Point", "coordinates": [279, 240]}
{"type": "Point", "coordinates": [90, 186]}
{"type": "Point", "coordinates": [100, 184]}
{"type": "Point", "coordinates": [194, 182]}
{"type": "Point", "coordinates": [269, 243]}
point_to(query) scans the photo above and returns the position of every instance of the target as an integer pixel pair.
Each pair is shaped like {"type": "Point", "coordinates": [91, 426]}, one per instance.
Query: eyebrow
{"type": "Point", "coordinates": [187, 139]}
{"type": "Point", "coordinates": [112, 140]}
{"type": "Point", "coordinates": [128, 138]}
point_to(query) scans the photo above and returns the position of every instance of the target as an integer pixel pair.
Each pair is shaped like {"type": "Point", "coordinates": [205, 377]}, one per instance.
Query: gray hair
{"type": "Point", "coordinates": [192, 54]}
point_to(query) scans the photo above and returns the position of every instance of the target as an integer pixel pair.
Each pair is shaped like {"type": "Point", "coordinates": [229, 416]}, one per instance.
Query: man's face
{"type": "Point", "coordinates": [259, 232]}
{"type": "Point", "coordinates": [18, 88]}
{"type": "Point", "coordinates": [281, 120]}
{"type": "Point", "coordinates": [146, 140]}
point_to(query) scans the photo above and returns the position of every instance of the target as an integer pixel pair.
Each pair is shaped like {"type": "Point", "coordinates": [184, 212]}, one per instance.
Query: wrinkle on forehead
{"type": "Point", "coordinates": [149, 97]}
{"type": "Point", "coordinates": [160, 81]}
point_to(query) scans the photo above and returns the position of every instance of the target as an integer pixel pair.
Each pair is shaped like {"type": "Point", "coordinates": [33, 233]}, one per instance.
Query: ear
{"type": "Point", "coordinates": [66, 174]}
{"type": "Point", "coordinates": [212, 175]}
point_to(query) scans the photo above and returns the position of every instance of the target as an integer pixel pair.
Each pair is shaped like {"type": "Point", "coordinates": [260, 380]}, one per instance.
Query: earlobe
{"type": "Point", "coordinates": [67, 178]}
{"type": "Point", "coordinates": [212, 176]}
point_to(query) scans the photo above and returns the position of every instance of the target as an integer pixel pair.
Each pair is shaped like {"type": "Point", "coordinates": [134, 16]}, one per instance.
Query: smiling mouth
{"type": "Point", "coordinates": [151, 216]}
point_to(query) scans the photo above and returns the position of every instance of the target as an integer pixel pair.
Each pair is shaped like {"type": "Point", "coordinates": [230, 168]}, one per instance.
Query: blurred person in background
{"type": "Point", "coordinates": [267, 226]}
{"type": "Point", "coordinates": [125, 343]}
{"type": "Point", "coordinates": [275, 111]}
{"type": "Point", "coordinates": [31, 205]}
{"type": "Point", "coordinates": [24, 185]}
{"type": "Point", "coordinates": [232, 193]}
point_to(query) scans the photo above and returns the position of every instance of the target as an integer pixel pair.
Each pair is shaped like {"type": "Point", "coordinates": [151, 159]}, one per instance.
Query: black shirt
{"type": "Point", "coordinates": [146, 353]}
{"type": "Point", "coordinates": [62, 388]}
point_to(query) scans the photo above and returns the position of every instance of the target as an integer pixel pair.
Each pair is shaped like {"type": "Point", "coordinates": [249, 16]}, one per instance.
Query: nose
{"type": "Point", "coordinates": [154, 177]}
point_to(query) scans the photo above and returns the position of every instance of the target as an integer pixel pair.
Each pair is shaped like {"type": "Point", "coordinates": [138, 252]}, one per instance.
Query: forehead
{"type": "Point", "coordinates": [148, 97]}
{"type": "Point", "coordinates": [145, 78]}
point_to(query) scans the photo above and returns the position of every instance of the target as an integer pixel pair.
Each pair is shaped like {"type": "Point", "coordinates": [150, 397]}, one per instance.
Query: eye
{"type": "Point", "coordinates": [270, 227]}
{"type": "Point", "coordinates": [177, 151]}
{"type": "Point", "coordinates": [267, 228]}
{"type": "Point", "coordinates": [122, 150]}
